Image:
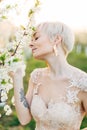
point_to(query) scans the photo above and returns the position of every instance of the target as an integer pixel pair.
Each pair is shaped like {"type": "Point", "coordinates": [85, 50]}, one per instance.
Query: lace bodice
{"type": "Point", "coordinates": [62, 114]}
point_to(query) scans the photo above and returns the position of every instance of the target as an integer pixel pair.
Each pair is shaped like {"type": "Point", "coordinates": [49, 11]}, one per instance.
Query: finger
{"type": "Point", "coordinates": [11, 73]}
{"type": "Point", "coordinates": [19, 71]}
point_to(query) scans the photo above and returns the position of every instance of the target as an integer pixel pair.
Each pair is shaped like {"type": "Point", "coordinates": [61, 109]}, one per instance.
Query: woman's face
{"type": "Point", "coordinates": [41, 45]}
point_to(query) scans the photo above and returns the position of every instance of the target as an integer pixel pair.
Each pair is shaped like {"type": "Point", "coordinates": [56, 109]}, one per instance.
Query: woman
{"type": "Point", "coordinates": [57, 94]}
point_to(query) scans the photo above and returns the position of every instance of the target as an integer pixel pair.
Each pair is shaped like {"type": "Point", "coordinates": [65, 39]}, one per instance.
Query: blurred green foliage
{"type": "Point", "coordinates": [11, 122]}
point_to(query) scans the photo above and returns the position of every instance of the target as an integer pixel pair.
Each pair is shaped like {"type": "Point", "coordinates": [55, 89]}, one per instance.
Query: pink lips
{"type": "Point", "coordinates": [34, 49]}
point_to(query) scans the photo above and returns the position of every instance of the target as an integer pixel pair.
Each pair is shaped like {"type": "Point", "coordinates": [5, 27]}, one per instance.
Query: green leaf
{"type": "Point", "coordinates": [22, 27]}
{"type": "Point", "coordinates": [15, 60]}
{"type": "Point", "coordinates": [33, 28]}
{"type": "Point", "coordinates": [11, 50]}
{"type": "Point", "coordinates": [4, 17]}
{"type": "Point", "coordinates": [16, 5]}
{"type": "Point", "coordinates": [9, 62]}
{"type": "Point", "coordinates": [3, 57]}
{"type": "Point", "coordinates": [37, 3]}
{"type": "Point", "coordinates": [8, 7]}
{"type": "Point", "coordinates": [3, 81]}
{"type": "Point", "coordinates": [30, 12]}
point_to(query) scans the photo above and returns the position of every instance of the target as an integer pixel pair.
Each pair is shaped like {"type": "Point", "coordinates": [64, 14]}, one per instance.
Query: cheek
{"type": "Point", "coordinates": [46, 48]}
{"type": "Point", "coordinates": [43, 51]}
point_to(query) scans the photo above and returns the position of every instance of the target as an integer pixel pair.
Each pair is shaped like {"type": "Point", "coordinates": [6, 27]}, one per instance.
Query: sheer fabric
{"type": "Point", "coordinates": [64, 113]}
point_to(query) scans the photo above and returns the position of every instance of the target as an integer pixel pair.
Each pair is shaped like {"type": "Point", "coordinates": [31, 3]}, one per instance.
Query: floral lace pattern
{"type": "Point", "coordinates": [63, 115]}
{"type": "Point", "coordinates": [72, 96]}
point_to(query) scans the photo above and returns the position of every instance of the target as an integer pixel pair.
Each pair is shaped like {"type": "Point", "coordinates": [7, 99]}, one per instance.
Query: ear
{"type": "Point", "coordinates": [57, 39]}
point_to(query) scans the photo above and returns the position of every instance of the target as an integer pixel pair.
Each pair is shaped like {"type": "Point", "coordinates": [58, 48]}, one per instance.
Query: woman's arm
{"type": "Point", "coordinates": [22, 103]}
{"type": "Point", "coordinates": [84, 100]}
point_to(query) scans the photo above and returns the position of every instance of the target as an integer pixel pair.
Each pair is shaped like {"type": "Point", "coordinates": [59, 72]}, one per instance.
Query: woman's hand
{"type": "Point", "coordinates": [13, 74]}
{"type": "Point", "coordinates": [21, 102]}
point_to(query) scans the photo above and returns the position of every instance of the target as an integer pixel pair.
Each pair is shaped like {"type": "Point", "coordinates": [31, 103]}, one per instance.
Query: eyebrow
{"type": "Point", "coordinates": [35, 33]}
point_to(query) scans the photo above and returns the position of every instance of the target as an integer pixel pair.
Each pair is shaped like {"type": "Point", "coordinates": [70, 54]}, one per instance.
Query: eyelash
{"type": "Point", "coordinates": [36, 38]}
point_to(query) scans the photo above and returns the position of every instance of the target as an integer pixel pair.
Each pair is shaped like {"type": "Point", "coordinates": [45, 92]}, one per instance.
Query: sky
{"type": "Point", "coordinates": [70, 12]}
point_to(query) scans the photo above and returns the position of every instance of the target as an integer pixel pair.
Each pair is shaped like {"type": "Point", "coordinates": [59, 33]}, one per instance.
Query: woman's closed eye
{"type": "Point", "coordinates": [37, 37]}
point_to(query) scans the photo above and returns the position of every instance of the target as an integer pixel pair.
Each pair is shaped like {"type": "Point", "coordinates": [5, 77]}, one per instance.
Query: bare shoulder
{"type": "Point", "coordinates": [78, 71]}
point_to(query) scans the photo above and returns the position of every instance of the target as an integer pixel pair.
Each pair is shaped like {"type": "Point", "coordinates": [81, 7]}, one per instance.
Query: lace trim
{"type": "Point", "coordinates": [68, 107]}
{"type": "Point", "coordinates": [70, 116]}
{"type": "Point", "coordinates": [36, 89]}
{"type": "Point", "coordinates": [79, 82]}
{"type": "Point", "coordinates": [72, 96]}
{"type": "Point", "coordinates": [35, 75]}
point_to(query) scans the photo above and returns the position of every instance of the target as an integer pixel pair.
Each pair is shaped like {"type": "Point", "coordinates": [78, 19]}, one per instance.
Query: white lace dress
{"type": "Point", "coordinates": [64, 115]}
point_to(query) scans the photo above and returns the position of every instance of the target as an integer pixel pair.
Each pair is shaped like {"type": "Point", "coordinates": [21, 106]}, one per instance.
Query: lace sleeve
{"type": "Point", "coordinates": [81, 81]}
{"type": "Point", "coordinates": [78, 83]}
{"type": "Point", "coordinates": [35, 75]}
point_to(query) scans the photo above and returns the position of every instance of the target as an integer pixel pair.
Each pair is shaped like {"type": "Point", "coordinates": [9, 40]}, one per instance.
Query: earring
{"type": "Point", "coordinates": [55, 50]}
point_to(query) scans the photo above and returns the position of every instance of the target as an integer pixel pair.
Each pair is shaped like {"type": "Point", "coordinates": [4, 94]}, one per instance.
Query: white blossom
{"type": "Point", "coordinates": [8, 87]}
{"type": "Point", "coordinates": [4, 96]}
{"type": "Point", "coordinates": [13, 52]}
{"type": "Point", "coordinates": [7, 109]}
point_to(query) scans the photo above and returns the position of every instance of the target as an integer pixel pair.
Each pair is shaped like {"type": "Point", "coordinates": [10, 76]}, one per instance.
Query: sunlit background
{"type": "Point", "coordinates": [71, 12]}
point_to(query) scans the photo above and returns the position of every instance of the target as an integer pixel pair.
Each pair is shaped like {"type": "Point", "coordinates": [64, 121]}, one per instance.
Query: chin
{"type": "Point", "coordinates": [39, 57]}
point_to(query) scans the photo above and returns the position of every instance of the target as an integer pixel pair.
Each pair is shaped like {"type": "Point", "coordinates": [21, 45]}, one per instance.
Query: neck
{"type": "Point", "coordinates": [57, 66]}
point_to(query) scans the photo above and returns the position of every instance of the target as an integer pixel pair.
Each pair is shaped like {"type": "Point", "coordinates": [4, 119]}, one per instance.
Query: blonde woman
{"type": "Point", "coordinates": [57, 95]}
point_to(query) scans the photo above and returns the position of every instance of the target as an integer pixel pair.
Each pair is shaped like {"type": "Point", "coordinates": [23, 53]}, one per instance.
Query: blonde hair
{"type": "Point", "coordinates": [54, 28]}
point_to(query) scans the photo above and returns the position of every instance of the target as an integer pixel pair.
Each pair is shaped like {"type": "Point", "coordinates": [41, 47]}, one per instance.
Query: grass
{"type": "Point", "coordinates": [11, 122]}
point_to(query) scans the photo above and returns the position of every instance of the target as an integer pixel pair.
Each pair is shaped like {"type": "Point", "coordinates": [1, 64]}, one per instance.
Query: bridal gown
{"type": "Point", "coordinates": [64, 113]}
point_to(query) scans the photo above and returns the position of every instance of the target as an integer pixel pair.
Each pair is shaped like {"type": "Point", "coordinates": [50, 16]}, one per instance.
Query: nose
{"type": "Point", "coordinates": [31, 44]}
